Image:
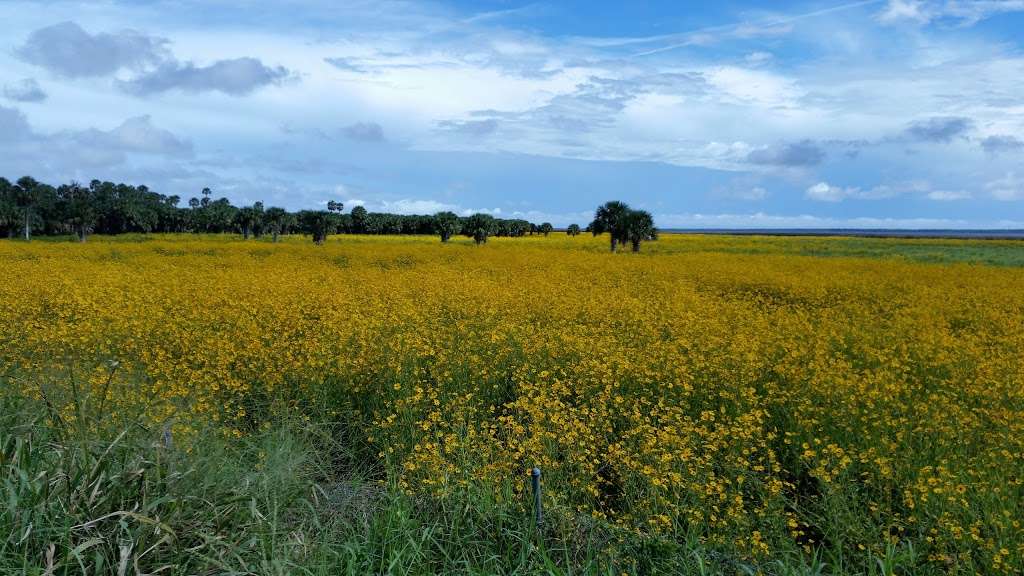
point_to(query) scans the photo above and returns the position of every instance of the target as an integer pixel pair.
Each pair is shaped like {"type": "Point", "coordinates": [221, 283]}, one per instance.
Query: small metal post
{"type": "Point", "coordinates": [538, 511]}
{"type": "Point", "coordinates": [167, 437]}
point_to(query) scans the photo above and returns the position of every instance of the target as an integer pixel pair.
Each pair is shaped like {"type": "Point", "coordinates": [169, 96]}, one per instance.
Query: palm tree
{"type": "Point", "coordinates": [276, 220]}
{"type": "Point", "coordinates": [245, 219]}
{"type": "Point", "coordinates": [573, 230]}
{"type": "Point", "coordinates": [639, 226]}
{"type": "Point", "coordinates": [8, 207]}
{"type": "Point", "coordinates": [446, 224]}
{"type": "Point", "coordinates": [479, 227]}
{"type": "Point", "coordinates": [359, 220]}
{"type": "Point", "coordinates": [318, 224]}
{"type": "Point", "coordinates": [610, 217]}
{"type": "Point", "coordinates": [79, 205]}
{"type": "Point", "coordinates": [26, 197]}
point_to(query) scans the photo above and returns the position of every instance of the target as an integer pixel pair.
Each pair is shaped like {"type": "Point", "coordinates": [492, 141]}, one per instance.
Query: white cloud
{"type": "Point", "coordinates": [775, 221]}
{"type": "Point", "coordinates": [903, 10]}
{"type": "Point", "coordinates": [949, 195]}
{"type": "Point", "coordinates": [926, 11]}
{"type": "Point", "coordinates": [825, 192]}
{"type": "Point", "coordinates": [758, 58]}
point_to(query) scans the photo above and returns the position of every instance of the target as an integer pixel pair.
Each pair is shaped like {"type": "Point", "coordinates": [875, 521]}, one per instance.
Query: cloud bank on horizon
{"type": "Point", "coordinates": [873, 113]}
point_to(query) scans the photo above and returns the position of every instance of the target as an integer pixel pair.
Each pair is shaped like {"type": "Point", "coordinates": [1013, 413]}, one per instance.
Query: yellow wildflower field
{"type": "Point", "coordinates": [704, 389]}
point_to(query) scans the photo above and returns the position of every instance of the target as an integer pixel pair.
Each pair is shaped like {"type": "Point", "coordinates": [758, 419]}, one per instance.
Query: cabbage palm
{"type": "Point", "coordinates": [611, 217]}
{"type": "Point", "coordinates": [446, 224]}
{"type": "Point", "coordinates": [639, 226]}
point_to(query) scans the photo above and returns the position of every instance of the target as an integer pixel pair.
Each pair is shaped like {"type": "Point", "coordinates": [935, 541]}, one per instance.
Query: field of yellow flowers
{"type": "Point", "coordinates": [730, 392]}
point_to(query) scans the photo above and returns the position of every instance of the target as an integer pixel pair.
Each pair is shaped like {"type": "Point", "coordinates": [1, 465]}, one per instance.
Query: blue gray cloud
{"type": "Point", "coordinates": [135, 135]}
{"type": "Point", "coordinates": [470, 127]}
{"type": "Point", "coordinates": [347, 64]}
{"type": "Point", "coordinates": [66, 49]}
{"type": "Point", "coordinates": [364, 132]}
{"type": "Point", "coordinates": [795, 154]}
{"type": "Point", "coordinates": [27, 90]}
{"type": "Point", "coordinates": [1002, 143]}
{"type": "Point", "coordinates": [236, 77]}
{"type": "Point", "coordinates": [939, 128]}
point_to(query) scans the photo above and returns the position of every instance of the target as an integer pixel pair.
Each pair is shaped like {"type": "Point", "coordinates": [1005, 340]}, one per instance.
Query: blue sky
{"type": "Point", "coordinates": [887, 113]}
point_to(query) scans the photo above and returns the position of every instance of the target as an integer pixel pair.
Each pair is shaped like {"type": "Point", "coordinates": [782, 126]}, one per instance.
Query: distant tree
{"type": "Point", "coordinates": [573, 230]}
{"type": "Point", "coordinates": [27, 197]}
{"type": "Point", "coordinates": [220, 216]}
{"type": "Point", "coordinates": [446, 224]}
{"type": "Point", "coordinates": [78, 206]}
{"type": "Point", "coordinates": [8, 208]}
{"type": "Point", "coordinates": [545, 228]}
{"type": "Point", "coordinates": [610, 217]}
{"type": "Point", "coordinates": [479, 227]}
{"type": "Point", "coordinates": [317, 223]}
{"type": "Point", "coordinates": [277, 220]}
{"type": "Point", "coordinates": [259, 224]}
{"type": "Point", "coordinates": [359, 216]}
{"type": "Point", "coordinates": [245, 220]}
{"type": "Point", "coordinates": [639, 226]}
{"type": "Point", "coordinates": [333, 206]}
{"type": "Point", "coordinates": [206, 197]}
{"type": "Point", "coordinates": [193, 203]}
{"type": "Point", "coordinates": [521, 228]}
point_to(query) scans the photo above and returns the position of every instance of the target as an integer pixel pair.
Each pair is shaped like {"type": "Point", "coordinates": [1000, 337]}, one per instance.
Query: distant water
{"type": "Point", "coordinates": [863, 232]}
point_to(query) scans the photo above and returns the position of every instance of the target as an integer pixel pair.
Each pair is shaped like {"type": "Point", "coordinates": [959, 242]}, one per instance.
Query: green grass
{"type": "Point", "coordinates": [101, 498]}
{"type": "Point", "coordinates": [929, 250]}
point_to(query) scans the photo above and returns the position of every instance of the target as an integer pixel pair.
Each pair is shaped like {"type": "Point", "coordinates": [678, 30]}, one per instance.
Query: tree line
{"type": "Point", "coordinates": [29, 207]}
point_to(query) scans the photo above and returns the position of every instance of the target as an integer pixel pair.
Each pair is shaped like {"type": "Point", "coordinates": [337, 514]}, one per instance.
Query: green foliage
{"type": "Point", "coordinates": [278, 221]}
{"type": "Point", "coordinates": [446, 224]}
{"type": "Point", "coordinates": [479, 227]}
{"type": "Point", "coordinates": [30, 207]}
{"type": "Point", "coordinates": [318, 223]}
{"type": "Point", "coordinates": [623, 224]}
{"type": "Point", "coordinates": [639, 226]}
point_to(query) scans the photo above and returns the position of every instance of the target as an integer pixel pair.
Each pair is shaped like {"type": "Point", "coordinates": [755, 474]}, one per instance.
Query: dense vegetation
{"type": "Point", "coordinates": [30, 207]}
{"type": "Point", "coordinates": [198, 404]}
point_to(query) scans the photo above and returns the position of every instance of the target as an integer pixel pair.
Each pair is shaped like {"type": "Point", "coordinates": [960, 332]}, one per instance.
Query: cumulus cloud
{"type": "Point", "coordinates": [236, 77]}
{"type": "Point", "coordinates": [364, 132]}
{"type": "Point", "coordinates": [470, 127]}
{"type": "Point", "coordinates": [27, 90]}
{"type": "Point", "coordinates": [67, 50]}
{"type": "Point", "coordinates": [1001, 143]}
{"type": "Point", "coordinates": [825, 192]}
{"type": "Point", "coordinates": [939, 128]}
{"type": "Point", "coordinates": [805, 153]}
{"type": "Point", "coordinates": [137, 135]}
{"type": "Point", "coordinates": [127, 148]}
